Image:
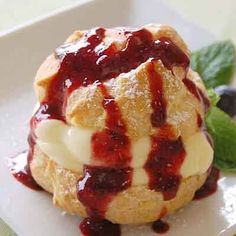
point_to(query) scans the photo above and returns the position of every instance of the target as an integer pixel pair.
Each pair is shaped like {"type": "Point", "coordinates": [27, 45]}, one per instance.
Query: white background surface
{"type": "Point", "coordinates": [31, 213]}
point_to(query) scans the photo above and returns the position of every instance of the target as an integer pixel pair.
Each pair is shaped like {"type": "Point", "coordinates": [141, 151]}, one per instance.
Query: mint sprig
{"type": "Point", "coordinates": [215, 63]}
{"type": "Point", "coordinates": [216, 66]}
{"type": "Point", "coordinates": [223, 131]}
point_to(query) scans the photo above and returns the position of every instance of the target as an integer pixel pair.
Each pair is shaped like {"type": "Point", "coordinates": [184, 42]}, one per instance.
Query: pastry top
{"type": "Point", "coordinates": [131, 89]}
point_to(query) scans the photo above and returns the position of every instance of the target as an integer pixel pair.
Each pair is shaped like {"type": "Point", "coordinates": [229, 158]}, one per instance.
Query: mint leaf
{"type": "Point", "coordinates": [215, 63]}
{"type": "Point", "coordinates": [223, 131]}
{"type": "Point", "coordinates": [213, 96]}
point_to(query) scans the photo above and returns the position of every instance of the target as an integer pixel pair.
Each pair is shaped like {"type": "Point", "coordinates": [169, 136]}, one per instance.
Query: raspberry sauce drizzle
{"type": "Point", "coordinates": [160, 226]}
{"type": "Point", "coordinates": [197, 92]}
{"type": "Point", "coordinates": [111, 147]}
{"type": "Point", "coordinates": [90, 227]}
{"type": "Point", "coordinates": [203, 128]}
{"type": "Point", "coordinates": [167, 154]}
{"type": "Point", "coordinates": [210, 186]}
{"type": "Point", "coordinates": [19, 169]}
{"type": "Point", "coordinates": [20, 164]}
{"type": "Point", "coordinates": [99, 185]}
{"type": "Point", "coordinates": [158, 103]}
{"type": "Point", "coordinates": [163, 165]}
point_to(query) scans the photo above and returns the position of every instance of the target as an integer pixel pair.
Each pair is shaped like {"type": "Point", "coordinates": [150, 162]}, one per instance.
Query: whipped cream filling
{"type": "Point", "coordinates": [70, 147]}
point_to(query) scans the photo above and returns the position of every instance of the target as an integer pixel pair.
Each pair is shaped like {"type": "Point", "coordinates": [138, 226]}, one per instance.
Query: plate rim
{"type": "Point", "coordinates": [44, 17]}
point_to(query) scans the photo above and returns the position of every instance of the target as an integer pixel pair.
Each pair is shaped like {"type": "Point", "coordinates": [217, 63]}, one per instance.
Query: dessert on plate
{"type": "Point", "coordinates": [118, 132]}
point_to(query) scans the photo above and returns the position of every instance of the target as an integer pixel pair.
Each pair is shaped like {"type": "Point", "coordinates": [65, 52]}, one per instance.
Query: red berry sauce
{"type": "Point", "coordinates": [90, 227]}
{"type": "Point", "coordinates": [163, 165]}
{"type": "Point", "coordinates": [210, 186]}
{"type": "Point", "coordinates": [111, 146]}
{"type": "Point", "coordinates": [167, 154]}
{"type": "Point", "coordinates": [197, 92]}
{"type": "Point", "coordinates": [160, 226]}
{"type": "Point", "coordinates": [99, 185]}
{"type": "Point", "coordinates": [199, 121]}
{"type": "Point", "coordinates": [158, 116]}
{"type": "Point", "coordinates": [19, 169]}
{"type": "Point", "coordinates": [111, 149]}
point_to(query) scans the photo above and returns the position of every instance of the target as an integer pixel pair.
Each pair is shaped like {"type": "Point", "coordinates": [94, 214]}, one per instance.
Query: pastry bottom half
{"type": "Point", "coordinates": [135, 205]}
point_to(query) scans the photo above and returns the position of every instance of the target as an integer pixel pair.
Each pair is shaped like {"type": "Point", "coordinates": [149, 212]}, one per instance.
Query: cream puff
{"type": "Point", "coordinates": [118, 131]}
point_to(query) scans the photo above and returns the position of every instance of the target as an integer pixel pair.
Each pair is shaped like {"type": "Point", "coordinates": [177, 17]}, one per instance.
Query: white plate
{"type": "Point", "coordinates": [31, 213]}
